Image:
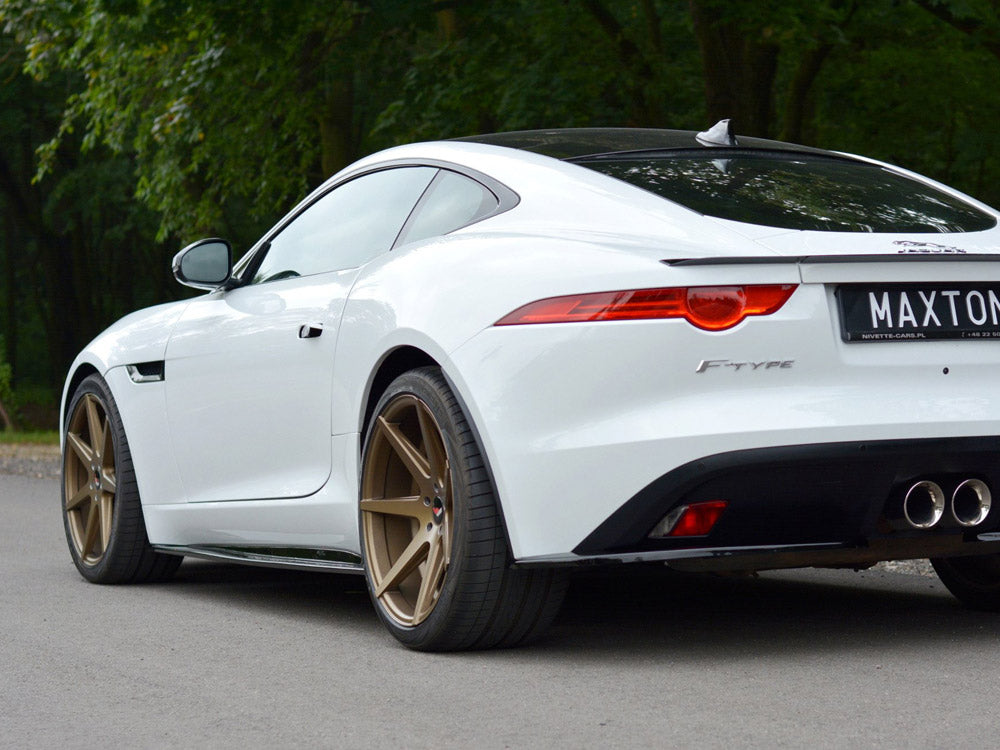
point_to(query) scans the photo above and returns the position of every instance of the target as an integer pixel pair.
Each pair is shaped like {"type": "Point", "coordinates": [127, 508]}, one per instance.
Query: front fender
{"type": "Point", "coordinates": [141, 336]}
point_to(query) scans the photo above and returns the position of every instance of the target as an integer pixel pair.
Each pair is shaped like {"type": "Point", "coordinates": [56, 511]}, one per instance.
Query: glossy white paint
{"type": "Point", "coordinates": [143, 409]}
{"type": "Point", "coordinates": [248, 399]}
{"type": "Point", "coordinates": [138, 337]}
{"type": "Point", "coordinates": [255, 435]}
{"type": "Point", "coordinates": [326, 519]}
{"type": "Point", "coordinates": [580, 418]}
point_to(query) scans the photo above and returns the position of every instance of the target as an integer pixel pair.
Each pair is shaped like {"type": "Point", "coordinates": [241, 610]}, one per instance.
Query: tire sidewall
{"type": "Point", "coordinates": [417, 384]}
{"type": "Point", "coordinates": [974, 580]}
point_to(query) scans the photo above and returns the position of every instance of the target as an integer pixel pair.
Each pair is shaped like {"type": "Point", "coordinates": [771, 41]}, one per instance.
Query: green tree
{"type": "Point", "coordinates": [73, 247]}
{"type": "Point", "coordinates": [227, 109]}
{"type": "Point", "coordinates": [912, 90]}
{"type": "Point", "coordinates": [218, 116]}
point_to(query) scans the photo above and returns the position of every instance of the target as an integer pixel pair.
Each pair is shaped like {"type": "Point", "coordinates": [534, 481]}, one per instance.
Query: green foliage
{"type": "Point", "coordinates": [73, 245]}
{"type": "Point", "coordinates": [143, 124]}
{"type": "Point", "coordinates": [534, 65]}
{"type": "Point", "coordinates": [219, 103]}
{"type": "Point", "coordinates": [916, 92]}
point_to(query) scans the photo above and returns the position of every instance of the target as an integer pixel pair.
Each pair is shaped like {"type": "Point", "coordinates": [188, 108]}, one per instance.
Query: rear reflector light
{"type": "Point", "coordinates": [712, 308]}
{"type": "Point", "coordinates": [696, 519]}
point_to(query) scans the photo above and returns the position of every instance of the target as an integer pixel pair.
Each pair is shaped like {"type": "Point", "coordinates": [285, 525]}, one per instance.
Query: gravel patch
{"type": "Point", "coordinates": [913, 567]}
{"type": "Point", "coordinates": [30, 460]}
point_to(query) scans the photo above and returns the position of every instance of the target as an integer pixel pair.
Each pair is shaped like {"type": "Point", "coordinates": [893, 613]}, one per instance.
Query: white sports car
{"type": "Point", "coordinates": [461, 367]}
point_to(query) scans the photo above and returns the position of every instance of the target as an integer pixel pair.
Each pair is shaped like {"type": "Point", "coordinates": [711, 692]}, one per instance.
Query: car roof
{"type": "Point", "coordinates": [574, 143]}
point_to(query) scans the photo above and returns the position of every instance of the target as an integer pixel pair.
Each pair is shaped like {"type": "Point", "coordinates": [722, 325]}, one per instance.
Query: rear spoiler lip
{"type": "Point", "coordinates": [903, 257]}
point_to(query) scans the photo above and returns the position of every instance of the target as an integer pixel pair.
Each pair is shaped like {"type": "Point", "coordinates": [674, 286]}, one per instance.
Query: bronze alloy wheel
{"type": "Point", "coordinates": [437, 562]}
{"type": "Point", "coordinates": [407, 510]}
{"type": "Point", "coordinates": [102, 512]}
{"type": "Point", "coordinates": [90, 478]}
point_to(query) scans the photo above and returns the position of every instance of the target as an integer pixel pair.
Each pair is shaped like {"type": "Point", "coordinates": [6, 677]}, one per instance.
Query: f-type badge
{"type": "Point", "coordinates": [767, 364]}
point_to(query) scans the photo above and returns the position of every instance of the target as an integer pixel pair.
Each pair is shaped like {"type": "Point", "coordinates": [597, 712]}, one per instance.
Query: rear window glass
{"type": "Point", "coordinates": [796, 191]}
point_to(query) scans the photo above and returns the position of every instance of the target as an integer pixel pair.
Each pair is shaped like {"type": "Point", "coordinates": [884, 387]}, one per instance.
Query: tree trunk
{"type": "Point", "coordinates": [645, 105]}
{"type": "Point", "coordinates": [797, 107]}
{"type": "Point", "coordinates": [336, 126]}
{"type": "Point", "coordinates": [447, 24]}
{"type": "Point", "coordinates": [7, 423]}
{"type": "Point", "coordinates": [739, 71]}
{"type": "Point", "coordinates": [10, 320]}
{"type": "Point", "coordinates": [59, 313]}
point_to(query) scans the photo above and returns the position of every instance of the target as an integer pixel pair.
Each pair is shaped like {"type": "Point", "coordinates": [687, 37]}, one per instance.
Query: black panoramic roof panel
{"type": "Point", "coordinates": [573, 143]}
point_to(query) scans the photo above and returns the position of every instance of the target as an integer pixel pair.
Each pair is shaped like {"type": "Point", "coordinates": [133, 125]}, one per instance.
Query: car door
{"type": "Point", "coordinates": [248, 373]}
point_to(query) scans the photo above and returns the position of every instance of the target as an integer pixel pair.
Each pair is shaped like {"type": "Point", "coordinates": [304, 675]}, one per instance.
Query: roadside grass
{"type": "Point", "coordinates": [32, 437]}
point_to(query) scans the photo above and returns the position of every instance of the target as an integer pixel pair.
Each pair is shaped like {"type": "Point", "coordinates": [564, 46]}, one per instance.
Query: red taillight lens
{"type": "Point", "coordinates": [714, 308]}
{"type": "Point", "coordinates": [698, 519]}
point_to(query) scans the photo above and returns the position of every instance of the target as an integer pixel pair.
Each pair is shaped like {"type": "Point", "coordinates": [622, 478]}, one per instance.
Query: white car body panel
{"type": "Point", "coordinates": [265, 429]}
{"type": "Point", "coordinates": [327, 519]}
{"type": "Point", "coordinates": [248, 399]}
{"type": "Point", "coordinates": [551, 427]}
{"type": "Point", "coordinates": [138, 337]}
{"type": "Point", "coordinates": [143, 409]}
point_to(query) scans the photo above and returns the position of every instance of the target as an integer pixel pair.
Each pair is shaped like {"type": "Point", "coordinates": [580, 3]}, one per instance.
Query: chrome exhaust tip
{"type": "Point", "coordinates": [970, 502]}
{"type": "Point", "coordinates": [924, 504]}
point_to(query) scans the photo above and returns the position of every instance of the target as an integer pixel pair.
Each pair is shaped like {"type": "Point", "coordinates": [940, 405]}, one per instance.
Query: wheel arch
{"type": "Point", "coordinates": [403, 359]}
{"type": "Point", "coordinates": [394, 363]}
{"type": "Point", "coordinates": [82, 371]}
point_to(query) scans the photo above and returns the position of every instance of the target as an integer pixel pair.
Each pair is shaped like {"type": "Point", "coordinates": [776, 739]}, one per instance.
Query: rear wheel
{"type": "Point", "coordinates": [435, 552]}
{"type": "Point", "coordinates": [975, 580]}
{"type": "Point", "coordinates": [102, 514]}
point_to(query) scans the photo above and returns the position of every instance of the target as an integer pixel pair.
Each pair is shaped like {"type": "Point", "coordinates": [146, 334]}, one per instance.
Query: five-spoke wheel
{"type": "Point", "coordinates": [102, 513]}
{"type": "Point", "coordinates": [436, 555]}
{"type": "Point", "coordinates": [406, 509]}
{"type": "Point", "coordinates": [90, 479]}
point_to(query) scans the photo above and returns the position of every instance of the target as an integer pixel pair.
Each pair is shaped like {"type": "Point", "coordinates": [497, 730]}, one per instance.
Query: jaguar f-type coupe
{"type": "Point", "coordinates": [461, 368]}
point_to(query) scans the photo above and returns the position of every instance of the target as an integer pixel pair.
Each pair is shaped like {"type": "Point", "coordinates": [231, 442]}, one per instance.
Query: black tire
{"type": "Point", "coordinates": [102, 513]}
{"type": "Point", "coordinates": [475, 599]}
{"type": "Point", "coordinates": [974, 581]}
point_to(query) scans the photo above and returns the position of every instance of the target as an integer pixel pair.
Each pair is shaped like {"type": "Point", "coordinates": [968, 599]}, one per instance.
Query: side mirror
{"type": "Point", "coordinates": [205, 264]}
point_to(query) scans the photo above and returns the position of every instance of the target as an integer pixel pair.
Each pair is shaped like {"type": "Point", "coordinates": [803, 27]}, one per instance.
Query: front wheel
{"type": "Point", "coordinates": [435, 552]}
{"type": "Point", "coordinates": [974, 580]}
{"type": "Point", "coordinates": [102, 514]}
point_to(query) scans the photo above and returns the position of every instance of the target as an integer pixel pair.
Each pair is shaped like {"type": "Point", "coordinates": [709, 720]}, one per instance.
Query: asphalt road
{"type": "Point", "coordinates": [225, 656]}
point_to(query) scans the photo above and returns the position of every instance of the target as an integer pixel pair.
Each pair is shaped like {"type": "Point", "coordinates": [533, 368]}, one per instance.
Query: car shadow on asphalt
{"type": "Point", "coordinates": [649, 610]}
{"type": "Point", "coordinates": [615, 612]}
{"type": "Point", "coordinates": [312, 596]}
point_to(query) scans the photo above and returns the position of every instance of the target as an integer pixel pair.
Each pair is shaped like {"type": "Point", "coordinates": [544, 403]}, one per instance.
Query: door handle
{"type": "Point", "coordinates": [310, 331]}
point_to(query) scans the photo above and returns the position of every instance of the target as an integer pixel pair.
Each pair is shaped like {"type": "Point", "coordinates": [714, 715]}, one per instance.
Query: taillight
{"type": "Point", "coordinates": [713, 308]}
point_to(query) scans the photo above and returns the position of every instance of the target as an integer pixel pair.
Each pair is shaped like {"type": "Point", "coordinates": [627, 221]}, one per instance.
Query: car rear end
{"type": "Point", "coordinates": [855, 421]}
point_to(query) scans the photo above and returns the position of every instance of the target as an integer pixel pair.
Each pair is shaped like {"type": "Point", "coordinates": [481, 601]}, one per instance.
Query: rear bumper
{"type": "Point", "coordinates": [824, 504]}
{"type": "Point", "coordinates": [576, 419]}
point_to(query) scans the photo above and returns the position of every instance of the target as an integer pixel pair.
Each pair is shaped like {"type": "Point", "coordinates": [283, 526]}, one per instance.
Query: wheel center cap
{"type": "Point", "coordinates": [437, 508]}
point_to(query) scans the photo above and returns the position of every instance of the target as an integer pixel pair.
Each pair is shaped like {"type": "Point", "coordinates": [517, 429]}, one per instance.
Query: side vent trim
{"type": "Point", "coordinates": [146, 372]}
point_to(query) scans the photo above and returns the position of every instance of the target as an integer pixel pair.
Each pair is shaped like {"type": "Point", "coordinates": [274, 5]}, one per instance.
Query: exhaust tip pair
{"type": "Point", "coordinates": [925, 501]}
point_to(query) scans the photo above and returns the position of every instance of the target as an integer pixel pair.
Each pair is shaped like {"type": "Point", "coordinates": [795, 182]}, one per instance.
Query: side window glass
{"type": "Point", "coordinates": [452, 201]}
{"type": "Point", "coordinates": [348, 226]}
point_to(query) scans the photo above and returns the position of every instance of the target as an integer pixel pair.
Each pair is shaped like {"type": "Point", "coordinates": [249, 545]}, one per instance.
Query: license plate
{"type": "Point", "coordinates": [919, 312]}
